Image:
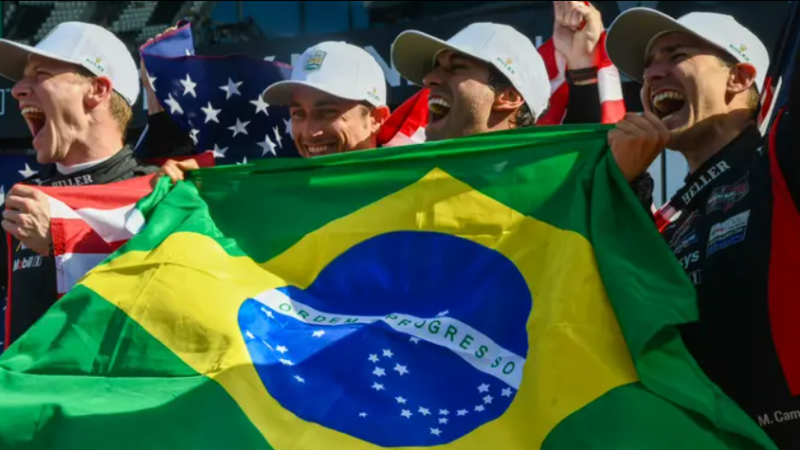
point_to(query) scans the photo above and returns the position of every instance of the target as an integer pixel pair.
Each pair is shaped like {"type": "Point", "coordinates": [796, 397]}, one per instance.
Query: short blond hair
{"type": "Point", "coordinates": [121, 111]}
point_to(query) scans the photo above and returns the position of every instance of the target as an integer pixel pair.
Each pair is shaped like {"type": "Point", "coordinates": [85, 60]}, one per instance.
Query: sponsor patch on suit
{"type": "Point", "coordinates": [728, 233]}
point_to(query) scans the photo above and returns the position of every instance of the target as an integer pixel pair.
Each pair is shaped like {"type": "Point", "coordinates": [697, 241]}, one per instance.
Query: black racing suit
{"type": "Point", "coordinates": [723, 239]}
{"type": "Point", "coordinates": [34, 282]}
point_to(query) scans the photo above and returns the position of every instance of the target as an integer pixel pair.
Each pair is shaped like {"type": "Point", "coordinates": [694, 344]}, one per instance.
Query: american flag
{"type": "Point", "coordinates": [217, 100]}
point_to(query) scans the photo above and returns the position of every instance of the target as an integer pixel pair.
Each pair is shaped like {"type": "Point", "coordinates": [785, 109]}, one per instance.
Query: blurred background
{"type": "Point", "coordinates": [281, 30]}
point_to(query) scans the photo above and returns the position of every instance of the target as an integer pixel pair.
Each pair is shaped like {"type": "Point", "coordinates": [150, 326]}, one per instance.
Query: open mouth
{"type": "Point", "coordinates": [439, 108]}
{"type": "Point", "coordinates": [667, 103]}
{"type": "Point", "coordinates": [320, 149]}
{"type": "Point", "coordinates": [35, 118]}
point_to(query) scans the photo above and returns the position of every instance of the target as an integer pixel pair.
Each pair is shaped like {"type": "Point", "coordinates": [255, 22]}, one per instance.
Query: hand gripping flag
{"type": "Point", "coordinates": [407, 124]}
{"type": "Point", "coordinates": [503, 291]}
{"type": "Point", "coordinates": [217, 100]}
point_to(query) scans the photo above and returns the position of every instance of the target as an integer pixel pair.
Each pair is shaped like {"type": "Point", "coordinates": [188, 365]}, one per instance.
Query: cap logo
{"type": "Point", "coordinates": [96, 63]}
{"type": "Point", "coordinates": [373, 94]}
{"type": "Point", "coordinates": [315, 60]}
{"type": "Point", "coordinates": [507, 63]}
{"type": "Point", "coordinates": [740, 50]}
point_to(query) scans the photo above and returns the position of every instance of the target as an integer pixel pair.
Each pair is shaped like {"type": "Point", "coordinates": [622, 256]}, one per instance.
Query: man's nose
{"type": "Point", "coordinates": [433, 78]}
{"type": "Point", "coordinates": [21, 90]}
{"type": "Point", "coordinates": [655, 72]}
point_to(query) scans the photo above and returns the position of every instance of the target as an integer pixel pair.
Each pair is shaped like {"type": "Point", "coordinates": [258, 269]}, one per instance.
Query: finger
{"type": "Point", "coordinates": [12, 216]}
{"type": "Point", "coordinates": [174, 174]}
{"type": "Point", "coordinates": [21, 190]}
{"type": "Point", "coordinates": [187, 165]}
{"type": "Point", "coordinates": [644, 94]}
{"type": "Point", "coordinates": [659, 126]}
{"type": "Point", "coordinates": [575, 19]}
{"type": "Point", "coordinates": [18, 203]}
{"type": "Point", "coordinates": [562, 13]}
{"type": "Point", "coordinates": [648, 126]}
{"type": "Point", "coordinates": [628, 128]}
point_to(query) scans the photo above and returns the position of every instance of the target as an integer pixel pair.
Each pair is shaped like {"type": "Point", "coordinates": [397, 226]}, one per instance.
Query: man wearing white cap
{"type": "Point", "coordinates": [336, 99]}
{"type": "Point", "coordinates": [701, 76]}
{"type": "Point", "coordinates": [488, 77]}
{"type": "Point", "coordinates": [75, 90]}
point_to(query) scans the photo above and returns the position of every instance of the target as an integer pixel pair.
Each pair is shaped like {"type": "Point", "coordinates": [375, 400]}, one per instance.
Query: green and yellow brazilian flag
{"type": "Point", "coordinates": [504, 291]}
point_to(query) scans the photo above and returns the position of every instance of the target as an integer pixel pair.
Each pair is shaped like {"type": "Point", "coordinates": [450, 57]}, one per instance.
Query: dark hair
{"type": "Point", "coordinates": [754, 98]}
{"type": "Point", "coordinates": [524, 117]}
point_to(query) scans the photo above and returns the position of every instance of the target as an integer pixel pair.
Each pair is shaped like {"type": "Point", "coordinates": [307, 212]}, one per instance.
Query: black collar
{"type": "Point", "coordinates": [732, 156]}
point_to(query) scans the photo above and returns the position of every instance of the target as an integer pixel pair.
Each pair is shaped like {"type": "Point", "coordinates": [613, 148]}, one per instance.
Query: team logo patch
{"type": "Point", "coordinates": [315, 60]}
{"type": "Point", "coordinates": [96, 63]}
{"type": "Point", "coordinates": [728, 233]}
{"type": "Point", "coordinates": [685, 243]}
{"type": "Point", "coordinates": [508, 64]}
{"type": "Point", "coordinates": [683, 229]}
{"type": "Point", "coordinates": [724, 198]}
{"type": "Point", "coordinates": [412, 368]}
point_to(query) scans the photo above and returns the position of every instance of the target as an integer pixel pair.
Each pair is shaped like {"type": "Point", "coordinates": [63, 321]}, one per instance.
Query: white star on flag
{"type": "Point", "coordinates": [152, 82]}
{"type": "Point", "coordinates": [268, 313]}
{"type": "Point", "coordinates": [462, 412]}
{"type": "Point", "coordinates": [444, 412]}
{"type": "Point", "coordinates": [211, 113]}
{"type": "Point", "coordinates": [377, 386]}
{"type": "Point", "coordinates": [286, 362]}
{"type": "Point", "coordinates": [443, 420]}
{"type": "Point", "coordinates": [231, 89]}
{"type": "Point", "coordinates": [362, 415]}
{"type": "Point", "coordinates": [402, 370]}
{"type": "Point", "coordinates": [261, 105]}
{"type": "Point", "coordinates": [436, 431]}
{"type": "Point", "coordinates": [400, 400]}
{"type": "Point", "coordinates": [388, 353]}
{"type": "Point", "coordinates": [443, 313]}
{"type": "Point", "coordinates": [250, 335]}
{"type": "Point", "coordinates": [239, 127]}
{"type": "Point", "coordinates": [288, 124]}
{"type": "Point", "coordinates": [174, 106]}
{"type": "Point", "coordinates": [219, 152]}
{"type": "Point", "coordinates": [193, 135]}
{"type": "Point", "coordinates": [281, 349]}
{"type": "Point", "coordinates": [2, 195]}
{"type": "Point", "coordinates": [188, 86]}
{"type": "Point", "coordinates": [267, 146]}
{"type": "Point", "coordinates": [188, 52]}
{"type": "Point", "coordinates": [507, 392]}
{"type": "Point", "coordinates": [373, 358]}
{"type": "Point", "coordinates": [479, 408]}
{"type": "Point", "coordinates": [318, 333]}
{"type": "Point", "coordinates": [379, 372]}
{"type": "Point", "coordinates": [424, 411]}
{"type": "Point", "coordinates": [483, 388]}
{"type": "Point", "coordinates": [244, 161]}
{"type": "Point", "coordinates": [27, 172]}
{"type": "Point", "coordinates": [278, 137]}
{"type": "Point", "coordinates": [299, 379]}
{"type": "Point", "coordinates": [488, 399]}
{"type": "Point", "coordinates": [406, 413]}
{"type": "Point", "coordinates": [414, 340]}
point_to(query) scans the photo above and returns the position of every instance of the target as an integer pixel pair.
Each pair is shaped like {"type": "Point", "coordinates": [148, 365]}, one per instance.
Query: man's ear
{"type": "Point", "coordinates": [100, 90]}
{"type": "Point", "coordinates": [379, 116]}
{"type": "Point", "coordinates": [509, 99]}
{"type": "Point", "coordinates": [742, 77]}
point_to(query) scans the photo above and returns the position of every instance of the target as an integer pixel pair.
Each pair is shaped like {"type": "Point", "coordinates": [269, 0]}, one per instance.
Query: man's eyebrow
{"type": "Point", "coordinates": [666, 50]}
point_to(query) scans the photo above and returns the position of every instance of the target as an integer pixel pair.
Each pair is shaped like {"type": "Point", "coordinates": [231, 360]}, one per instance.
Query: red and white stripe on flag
{"type": "Point", "coordinates": [407, 124]}
{"type": "Point", "coordinates": [89, 223]}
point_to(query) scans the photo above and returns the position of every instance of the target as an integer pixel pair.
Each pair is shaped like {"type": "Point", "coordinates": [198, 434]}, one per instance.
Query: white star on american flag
{"type": "Point", "coordinates": [193, 135]}
{"type": "Point", "coordinates": [219, 152]}
{"type": "Point", "coordinates": [2, 195]}
{"type": "Point", "coordinates": [174, 106]}
{"type": "Point", "coordinates": [288, 124]}
{"type": "Point", "coordinates": [231, 89]}
{"type": "Point", "coordinates": [261, 105]}
{"type": "Point", "coordinates": [211, 113]}
{"type": "Point", "coordinates": [267, 146]}
{"type": "Point", "coordinates": [278, 137]}
{"type": "Point", "coordinates": [239, 128]}
{"type": "Point", "coordinates": [188, 86]}
{"type": "Point", "coordinates": [27, 172]}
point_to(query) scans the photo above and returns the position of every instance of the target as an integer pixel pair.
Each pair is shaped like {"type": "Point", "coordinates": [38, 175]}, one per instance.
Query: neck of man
{"type": "Point", "coordinates": [96, 146]}
{"type": "Point", "coordinates": [711, 137]}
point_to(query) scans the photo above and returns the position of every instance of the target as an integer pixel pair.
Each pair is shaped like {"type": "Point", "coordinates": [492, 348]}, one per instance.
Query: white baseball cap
{"type": "Point", "coordinates": [635, 31]}
{"type": "Point", "coordinates": [336, 68]}
{"type": "Point", "coordinates": [86, 45]}
{"type": "Point", "coordinates": [512, 53]}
